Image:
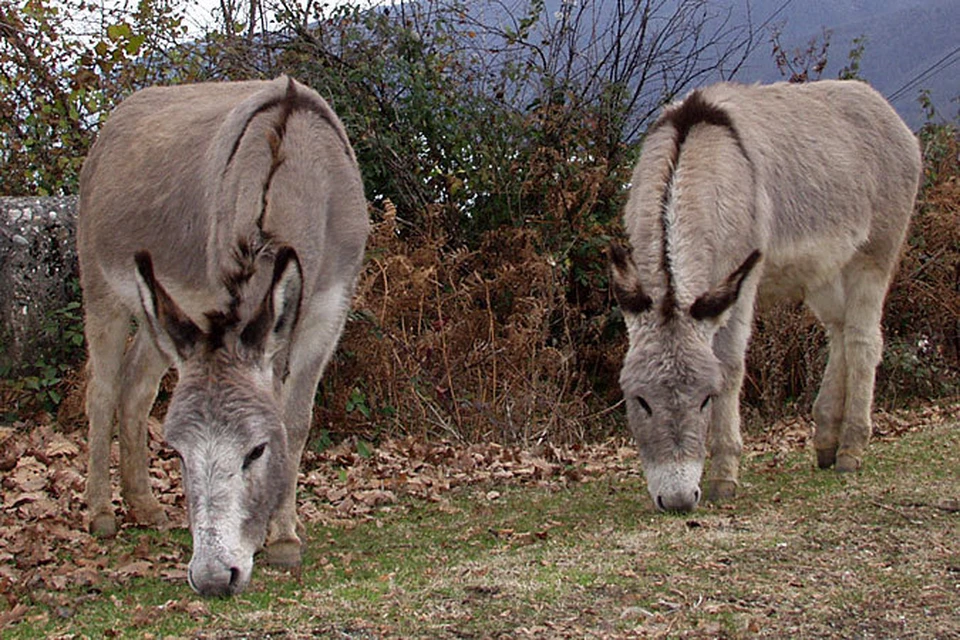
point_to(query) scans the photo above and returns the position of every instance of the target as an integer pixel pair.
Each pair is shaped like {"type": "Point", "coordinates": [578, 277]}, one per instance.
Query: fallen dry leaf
{"type": "Point", "coordinates": [13, 616]}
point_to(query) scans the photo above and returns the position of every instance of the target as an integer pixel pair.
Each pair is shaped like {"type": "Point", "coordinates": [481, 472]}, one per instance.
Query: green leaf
{"type": "Point", "coordinates": [363, 449]}
{"type": "Point", "coordinates": [134, 44]}
{"type": "Point", "coordinates": [117, 31]}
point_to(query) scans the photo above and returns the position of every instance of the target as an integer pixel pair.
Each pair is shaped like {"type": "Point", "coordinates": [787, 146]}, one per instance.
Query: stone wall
{"type": "Point", "coordinates": [38, 275]}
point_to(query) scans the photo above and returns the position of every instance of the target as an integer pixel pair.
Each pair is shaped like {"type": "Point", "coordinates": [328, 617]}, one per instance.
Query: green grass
{"type": "Point", "coordinates": [800, 552]}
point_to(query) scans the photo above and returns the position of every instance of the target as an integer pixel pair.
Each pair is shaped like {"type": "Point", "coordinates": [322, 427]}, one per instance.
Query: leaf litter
{"type": "Point", "coordinates": [46, 553]}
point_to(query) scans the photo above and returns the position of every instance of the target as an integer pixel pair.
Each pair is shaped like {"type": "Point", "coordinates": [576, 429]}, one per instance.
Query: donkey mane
{"type": "Point", "coordinates": [694, 110]}
{"type": "Point", "coordinates": [245, 256]}
{"type": "Point", "coordinates": [262, 244]}
{"type": "Point", "coordinates": [275, 138]}
{"type": "Point", "coordinates": [290, 102]}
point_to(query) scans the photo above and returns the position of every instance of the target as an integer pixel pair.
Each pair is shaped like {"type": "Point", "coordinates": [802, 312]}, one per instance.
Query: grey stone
{"type": "Point", "coordinates": [38, 277]}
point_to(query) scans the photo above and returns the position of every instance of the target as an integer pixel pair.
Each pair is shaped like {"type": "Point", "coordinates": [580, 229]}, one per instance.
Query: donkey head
{"type": "Point", "coordinates": [225, 420]}
{"type": "Point", "coordinates": [669, 378]}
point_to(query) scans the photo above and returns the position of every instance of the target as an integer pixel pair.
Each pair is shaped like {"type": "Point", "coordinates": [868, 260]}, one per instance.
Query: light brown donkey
{"type": "Point", "coordinates": [802, 191]}
{"type": "Point", "coordinates": [229, 220]}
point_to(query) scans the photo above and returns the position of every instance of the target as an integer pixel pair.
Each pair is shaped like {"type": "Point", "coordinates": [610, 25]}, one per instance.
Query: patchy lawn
{"type": "Point", "coordinates": [432, 540]}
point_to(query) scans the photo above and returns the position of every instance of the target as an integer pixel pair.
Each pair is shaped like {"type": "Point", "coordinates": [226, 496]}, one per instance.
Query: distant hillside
{"type": "Point", "coordinates": [904, 40]}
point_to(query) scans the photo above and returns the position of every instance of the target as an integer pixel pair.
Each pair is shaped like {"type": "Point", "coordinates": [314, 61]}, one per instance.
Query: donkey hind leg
{"type": "Point", "coordinates": [143, 368]}
{"type": "Point", "coordinates": [866, 288]}
{"type": "Point", "coordinates": [106, 334]}
{"type": "Point", "coordinates": [724, 439]}
{"type": "Point", "coordinates": [828, 304]}
{"type": "Point", "coordinates": [318, 333]}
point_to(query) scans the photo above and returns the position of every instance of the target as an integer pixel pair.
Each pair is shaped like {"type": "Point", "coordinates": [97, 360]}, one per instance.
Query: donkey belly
{"type": "Point", "coordinates": [791, 272]}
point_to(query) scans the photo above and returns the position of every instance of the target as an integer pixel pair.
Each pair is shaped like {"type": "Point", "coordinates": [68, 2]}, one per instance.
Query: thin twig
{"type": "Point", "coordinates": [446, 354]}
{"type": "Point", "coordinates": [896, 511]}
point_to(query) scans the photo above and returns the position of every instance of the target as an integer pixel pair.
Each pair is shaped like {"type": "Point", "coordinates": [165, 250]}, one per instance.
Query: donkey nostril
{"type": "Point", "coordinates": [696, 496]}
{"type": "Point", "coordinates": [234, 577]}
{"type": "Point", "coordinates": [660, 504]}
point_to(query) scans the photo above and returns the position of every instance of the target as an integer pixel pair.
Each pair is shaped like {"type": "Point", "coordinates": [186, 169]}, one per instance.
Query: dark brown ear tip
{"type": "Point", "coordinates": [285, 255]}
{"type": "Point", "coordinates": [632, 300]}
{"type": "Point", "coordinates": [144, 263]}
{"type": "Point", "coordinates": [618, 254]}
{"type": "Point", "coordinates": [713, 304]}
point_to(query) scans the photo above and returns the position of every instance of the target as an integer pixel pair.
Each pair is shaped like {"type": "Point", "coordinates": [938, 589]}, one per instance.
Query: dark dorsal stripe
{"type": "Point", "coordinates": [248, 250]}
{"type": "Point", "coordinates": [683, 118]}
{"type": "Point", "coordinates": [276, 142]}
{"type": "Point", "coordinates": [296, 102]}
{"type": "Point", "coordinates": [245, 256]}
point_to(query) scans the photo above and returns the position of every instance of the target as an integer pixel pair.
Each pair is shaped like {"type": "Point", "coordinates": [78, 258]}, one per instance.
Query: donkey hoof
{"type": "Point", "coordinates": [718, 490]}
{"type": "Point", "coordinates": [826, 458]}
{"type": "Point", "coordinates": [144, 509]}
{"type": "Point", "coordinates": [285, 553]}
{"type": "Point", "coordinates": [153, 516]}
{"type": "Point", "coordinates": [103, 525]}
{"type": "Point", "coordinates": [847, 463]}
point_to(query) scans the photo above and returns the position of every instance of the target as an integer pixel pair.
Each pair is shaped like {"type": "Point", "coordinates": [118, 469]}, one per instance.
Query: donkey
{"type": "Point", "coordinates": [229, 220]}
{"type": "Point", "coordinates": [797, 191]}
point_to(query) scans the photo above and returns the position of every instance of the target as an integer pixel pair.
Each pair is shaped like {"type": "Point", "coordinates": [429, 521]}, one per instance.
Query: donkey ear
{"type": "Point", "coordinates": [175, 333]}
{"type": "Point", "coordinates": [713, 303]}
{"type": "Point", "coordinates": [271, 327]}
{"type": "Point", "coordinates": [626, 281]}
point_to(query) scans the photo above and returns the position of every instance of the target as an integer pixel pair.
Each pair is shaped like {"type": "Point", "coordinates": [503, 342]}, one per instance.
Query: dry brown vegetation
{"type": "Point", "coordinates": [474, 345]}
{"type": "Point", "coordinates": [505, 343]}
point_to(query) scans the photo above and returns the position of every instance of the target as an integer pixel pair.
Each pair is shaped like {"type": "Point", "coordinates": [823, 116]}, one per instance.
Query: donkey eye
{"type": "Point", "coordinates": [705, 403]}
{"type": "Point", "coordinates": [646, 407]}
{"type": "Point", "coordinates": [254, 455]}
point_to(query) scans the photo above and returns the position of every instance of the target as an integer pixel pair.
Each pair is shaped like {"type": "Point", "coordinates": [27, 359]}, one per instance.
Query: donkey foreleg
{"type": "Point", "coordinates": [105, 331]}
{"type": "Point", "coordinates": [724, 440]}
{"type": "Point", "coordinates": [317, 336]}
{"type": "Point", "coordinates": [143, 368]}
{"type": "Point", "coordinates": [285, 536]}
{"type": "Point", "coordinates": [863, 347]}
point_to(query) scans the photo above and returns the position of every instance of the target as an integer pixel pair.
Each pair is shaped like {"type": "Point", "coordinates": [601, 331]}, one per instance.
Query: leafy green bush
{"type": "Point", "coordinates": [66, 64]}
{"type": "Point", "coordinates": [43, 383]}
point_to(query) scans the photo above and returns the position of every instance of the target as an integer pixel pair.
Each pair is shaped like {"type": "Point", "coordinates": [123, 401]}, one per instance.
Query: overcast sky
{"type": "Point", "coordinates": [200, 12]}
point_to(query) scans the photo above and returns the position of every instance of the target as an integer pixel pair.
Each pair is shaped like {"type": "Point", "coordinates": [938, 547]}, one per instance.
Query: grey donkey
{"type": "Point", "coordinates": [746, 192]}
{"type": "Point", "coordinates": [229, 220]}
